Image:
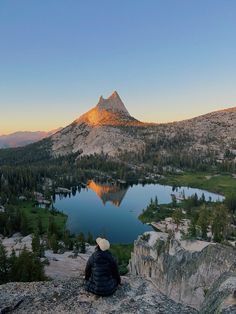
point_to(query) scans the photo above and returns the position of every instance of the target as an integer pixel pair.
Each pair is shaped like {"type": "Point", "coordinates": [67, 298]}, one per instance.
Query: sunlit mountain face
{"type": "Point", "coordinates": [110, 111]}
{"type": "Point", "coordinates": [107, 128]}
{"type": "Point", "coordinates": [233, 109]}
{"type": "Point", "coordinates": [108, 193]}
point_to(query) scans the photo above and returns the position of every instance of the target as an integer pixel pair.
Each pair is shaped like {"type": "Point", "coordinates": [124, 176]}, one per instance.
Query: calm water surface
{"type": "Point", "coordinates": [113, 211]}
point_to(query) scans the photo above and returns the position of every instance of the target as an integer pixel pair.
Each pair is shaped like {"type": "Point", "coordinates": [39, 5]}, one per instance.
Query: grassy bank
{"type": "Point", "coordinates": [219, 183]}
{"type": "Point", "coordinates": [34, 215]}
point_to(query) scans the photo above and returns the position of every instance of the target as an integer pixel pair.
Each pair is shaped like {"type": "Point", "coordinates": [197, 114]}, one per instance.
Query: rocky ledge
{"type": "Point", "coordinates": [199, 274]}
{"type": "Point", "coordinates": [135, 295]}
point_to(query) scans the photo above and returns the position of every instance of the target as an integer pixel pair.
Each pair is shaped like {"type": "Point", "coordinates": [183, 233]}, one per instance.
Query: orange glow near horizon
{"type": "Point", "coordinates": [41, 122]}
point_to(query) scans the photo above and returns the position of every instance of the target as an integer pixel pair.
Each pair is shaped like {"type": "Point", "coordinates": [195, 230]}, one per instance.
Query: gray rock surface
{"type": "Point", "coordinates": [221, 298]}
{"type": "Point", "coordinates": [136, 295]}
{"type": "Point", "coordinates": [183, 275]}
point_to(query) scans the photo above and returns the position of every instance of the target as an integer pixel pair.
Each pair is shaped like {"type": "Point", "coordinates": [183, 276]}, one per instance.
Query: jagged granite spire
{"type": "Point", "coordinates": [108, 111]}
{"type": "Point", "coordinates": [113, 103]}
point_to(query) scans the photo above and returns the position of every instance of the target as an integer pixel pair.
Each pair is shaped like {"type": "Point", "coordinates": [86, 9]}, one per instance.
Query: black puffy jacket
{"type": "Point", "coordinates": [101, 273]}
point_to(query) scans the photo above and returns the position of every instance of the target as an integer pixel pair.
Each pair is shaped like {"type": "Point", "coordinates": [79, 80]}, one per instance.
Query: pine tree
{"type": "Point", "coordinates": [4, 264]}
{"type": "Point", "coordinates": [192, 230]}
{"type": "Point", "coordinates": [230, 202]}
{"type": "Point", "coordinates": [66, 239]}
{"type": "Point", "coordinates": [220, 222]}
{"type": "Point", "coordinates": [17, 222]}
{"type": "Point", "coordinates": [40, 225]}
{"type": "Point", "coordinates": [174, 201]}
{"type": "Point", "coordinates": [52, 226]}
{"type": "Point", "coordinates": [203, 199]}
{"type": "Point", "coordinates": [203, 221]}
{"type": "Point", "coordinates": [13, 266]}
{"type": "Point", "coordinates": [29, 267]}
{"type": "Point", "coordinates": [36, 246]}
{"type": "Point", "coordinates": [177, 217]}
{"type": "Point", "coordinates": [156, 201]}
{"type": "Point", "coordinates": [82, 247]}
{"type": "Point", "coordinates": [90, 239]}
{"type": "Point", "coordinates": [80, 243]}
{"type": "Point", "coordinates": [54, 243]}
{"type": "Point", "coordinates": [24, 226]}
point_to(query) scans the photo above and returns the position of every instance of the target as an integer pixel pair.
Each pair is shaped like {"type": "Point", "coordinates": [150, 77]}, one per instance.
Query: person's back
{"type": "Point", "coordinates": [101, 273]}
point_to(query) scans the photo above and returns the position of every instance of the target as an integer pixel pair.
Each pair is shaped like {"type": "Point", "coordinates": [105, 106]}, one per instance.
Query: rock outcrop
{"type": "Point", "coordinates": [221, 298]}
{"type": "Point", "coordinates": [135, 296]}
{"type": "Point", "coordinates": [182, 270]}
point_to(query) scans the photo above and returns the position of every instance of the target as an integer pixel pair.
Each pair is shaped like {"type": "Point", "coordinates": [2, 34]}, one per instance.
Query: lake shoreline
{"type": "Point", "coordinates": [112, 211]}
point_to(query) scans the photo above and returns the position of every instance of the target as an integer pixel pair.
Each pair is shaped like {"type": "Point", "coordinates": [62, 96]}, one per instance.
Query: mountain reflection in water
{"type": "Point", "coordinates": [94, 208]}
{"type": "Point", "coordinates": [108, 192]}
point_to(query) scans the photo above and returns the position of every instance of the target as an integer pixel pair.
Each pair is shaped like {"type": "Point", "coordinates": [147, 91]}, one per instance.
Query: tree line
{"type": "Point", "coordinates": [205, 216]}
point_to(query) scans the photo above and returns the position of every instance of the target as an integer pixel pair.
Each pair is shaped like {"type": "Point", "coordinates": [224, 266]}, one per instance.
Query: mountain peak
{"type": "Point", "coordinates": [113, 103]}
{"type": "Point", "coordinates": [114, 95]}
{"type": "Point", "coordinates": [108, 111]}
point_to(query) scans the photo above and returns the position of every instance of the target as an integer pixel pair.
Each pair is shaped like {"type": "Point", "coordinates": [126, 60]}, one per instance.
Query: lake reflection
{"type": "Point", "coordinates": [107, 192]}
{"type": "Point", "coordinates": [113, 210]}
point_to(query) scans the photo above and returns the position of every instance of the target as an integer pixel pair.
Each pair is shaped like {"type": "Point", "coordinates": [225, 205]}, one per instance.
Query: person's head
{"type": "Point", "coordinates": [102, 244]}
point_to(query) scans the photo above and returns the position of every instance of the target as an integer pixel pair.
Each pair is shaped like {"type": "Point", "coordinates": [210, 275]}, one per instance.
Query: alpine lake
{"type": "Point", "coordinates": [112, 210]}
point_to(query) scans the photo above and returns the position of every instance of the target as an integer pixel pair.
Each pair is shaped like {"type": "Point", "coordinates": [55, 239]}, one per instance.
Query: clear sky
{"type": "Point", "coordinates": [168, 59]}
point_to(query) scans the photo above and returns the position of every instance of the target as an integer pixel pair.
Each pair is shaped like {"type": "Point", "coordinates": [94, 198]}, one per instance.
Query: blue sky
{"type": "Point", "coordinates": [168, 59]}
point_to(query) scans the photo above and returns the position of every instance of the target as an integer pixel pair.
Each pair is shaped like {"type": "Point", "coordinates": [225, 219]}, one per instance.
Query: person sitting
{"type": "Point", "coordinates": [101, 273]}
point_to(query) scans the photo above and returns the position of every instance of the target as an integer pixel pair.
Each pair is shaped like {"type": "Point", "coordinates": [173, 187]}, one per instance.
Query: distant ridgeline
{"type": "Point", "coordinates": [23, 138]}
{"type": "Point", "coordinates": [109, 130]}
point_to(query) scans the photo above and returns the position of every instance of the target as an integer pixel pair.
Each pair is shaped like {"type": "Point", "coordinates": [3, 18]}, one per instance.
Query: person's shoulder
{"type": "Point", "coordinates": [94, 254]}
{"type": "Point", "coordinates": [109, 255]}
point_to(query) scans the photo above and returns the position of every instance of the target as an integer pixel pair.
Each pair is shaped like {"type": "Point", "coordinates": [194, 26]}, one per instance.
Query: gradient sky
{"type": "Point", "coordinates": [168, 59]}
